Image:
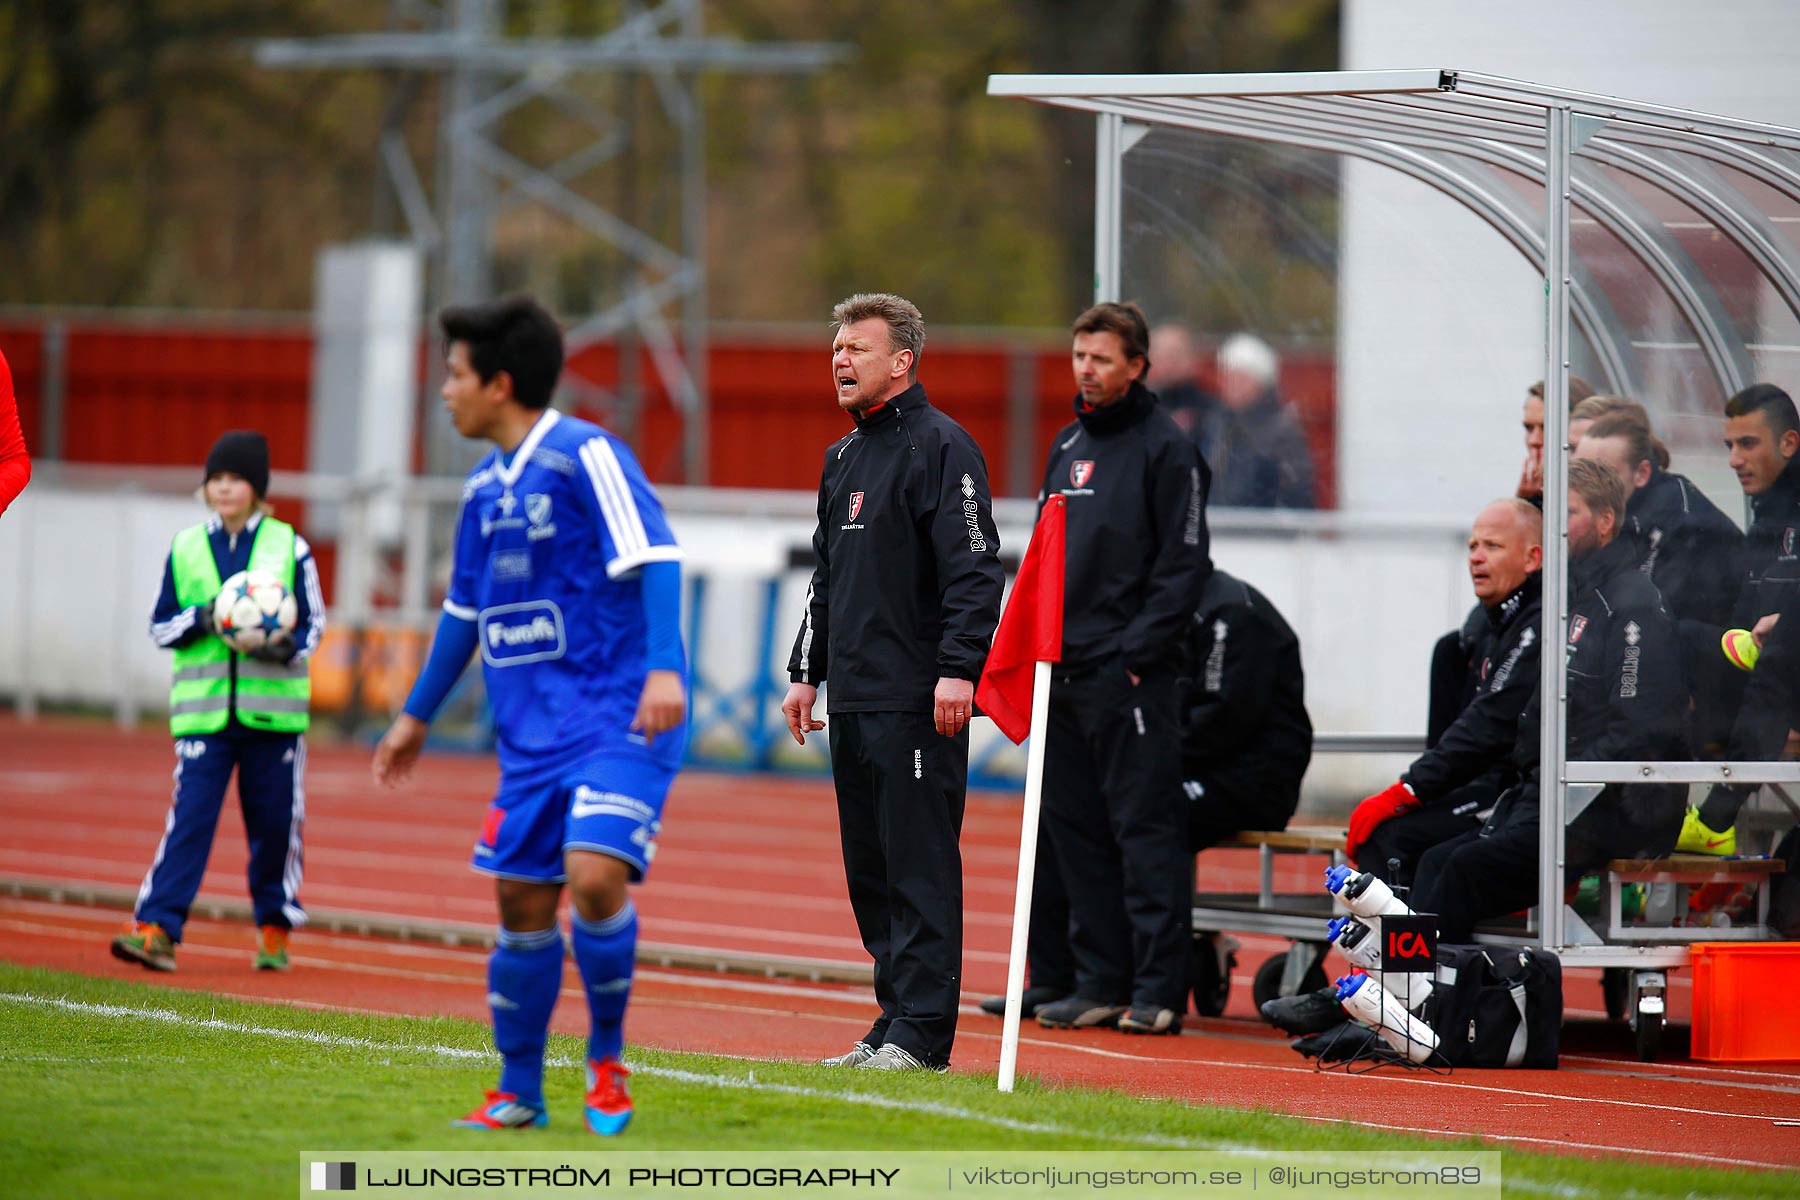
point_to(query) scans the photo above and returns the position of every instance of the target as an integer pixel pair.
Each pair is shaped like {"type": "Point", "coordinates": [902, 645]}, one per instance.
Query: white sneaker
{"type": "Point", "coordinates": [859, 1054]}
{"type": "Point", "coordinates": [892, 1058]}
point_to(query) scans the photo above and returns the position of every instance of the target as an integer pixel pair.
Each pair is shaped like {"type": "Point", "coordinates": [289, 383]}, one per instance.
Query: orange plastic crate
{"type": "Point", "coordinates": [1742, 1006]}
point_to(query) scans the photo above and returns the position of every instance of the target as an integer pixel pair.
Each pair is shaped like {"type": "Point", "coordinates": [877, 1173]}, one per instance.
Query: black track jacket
{"type": "Point", "coordinates": [1690, 550]}
{"type": "Point", "coordinates": [1481, 737]}
{"type": "Point", "coordinates": [908, 582]}
{"type": "Point", "coordinates": [1137, 548]}
{"type": "Point", "coordinates": [1627, 699]}
{"type": "Point", "coordinates": [1243, 711]}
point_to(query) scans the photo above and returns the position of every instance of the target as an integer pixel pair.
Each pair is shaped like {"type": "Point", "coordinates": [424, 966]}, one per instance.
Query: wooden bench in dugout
{"type": "Point", "coordinates": [1637, 996]}
{"type": "Point", "coordinates": [1682, 873]}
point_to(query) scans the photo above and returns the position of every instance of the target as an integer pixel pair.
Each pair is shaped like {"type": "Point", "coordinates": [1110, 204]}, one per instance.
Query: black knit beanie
{"type": "Point", "coordinates": [244, 453]}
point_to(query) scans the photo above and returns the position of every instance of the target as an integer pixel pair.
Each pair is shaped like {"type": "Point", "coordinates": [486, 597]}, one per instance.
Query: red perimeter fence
{"type": "Point", "coordinates": [125, 389]}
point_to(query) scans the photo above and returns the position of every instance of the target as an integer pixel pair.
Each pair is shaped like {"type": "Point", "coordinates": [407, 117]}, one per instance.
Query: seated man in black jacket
{"type": "Point", "coordinates": [1469, 763]}
{"type": "Point", "coordinates": [1245, 739]}
{"type": "Point", "coordinates": [1690, 549]}
{"type": "Point", "coordinates": [1627, 702]}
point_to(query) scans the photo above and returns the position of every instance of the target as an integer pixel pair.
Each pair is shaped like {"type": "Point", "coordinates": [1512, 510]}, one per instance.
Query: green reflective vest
{"type": "Point", "coordinates": [271, 696]}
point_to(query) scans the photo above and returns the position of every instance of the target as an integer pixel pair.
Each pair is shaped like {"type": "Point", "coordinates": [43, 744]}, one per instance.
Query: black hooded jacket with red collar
{"type": "Point", "coordinates": [1138, 554]}
{"type": "Point", "coordinates": [907, 585]}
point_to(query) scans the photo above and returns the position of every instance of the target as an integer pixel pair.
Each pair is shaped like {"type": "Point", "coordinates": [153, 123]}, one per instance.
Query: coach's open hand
{"type": "Point", "coordinates": [398, 750]}
{"type": "Point", "coordinates": [797, 708]}
{"type": "Point", "coordinates": [661, 706]}
{"type": "Point", "coordinates": [954, 704]}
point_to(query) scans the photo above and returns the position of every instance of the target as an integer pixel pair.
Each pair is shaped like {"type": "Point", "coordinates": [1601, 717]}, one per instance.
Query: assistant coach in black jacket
{"type": "Point", "coordinates": [1135, 567]}
{"type": "Point", "coordinates": [902, 606]}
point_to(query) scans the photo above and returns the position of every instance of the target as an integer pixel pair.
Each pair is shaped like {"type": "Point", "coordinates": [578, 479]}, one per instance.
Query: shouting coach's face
{"type": "Point", "coordinates": [865, 367]}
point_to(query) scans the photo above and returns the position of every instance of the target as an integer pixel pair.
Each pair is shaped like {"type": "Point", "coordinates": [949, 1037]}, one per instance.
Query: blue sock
{"type": "Point", "coordinates": [524, 976]}
{"type": "Point", "coordinates": [604, 951]}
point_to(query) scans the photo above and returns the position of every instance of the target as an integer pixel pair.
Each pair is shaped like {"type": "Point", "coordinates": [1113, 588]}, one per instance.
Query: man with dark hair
{"type": "Point", "coordinates": [514, 335]}
{"type": "Point", "coordinates": [567, 578]}
{"type": "Point", "coordinates": [1626, 703]}
{"type": "Point", "coordinates": [1762, 436]}
{"type": "Point", "coordinates": [1685, 544]}
{"type": "Point", "coordinates": [902, 606]}
{"type": "Point", "coordinates": [1246, 741]}
{"type": "Point", "coordinates": [1136, 565]}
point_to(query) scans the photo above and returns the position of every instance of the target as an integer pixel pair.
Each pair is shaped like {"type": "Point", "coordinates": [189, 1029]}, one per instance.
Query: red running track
{"type": "Point", "coordinates": [750, 864]}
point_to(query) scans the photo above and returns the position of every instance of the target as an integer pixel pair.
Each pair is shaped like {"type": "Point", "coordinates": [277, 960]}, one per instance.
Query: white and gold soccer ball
{"type": "Point", "coordinates": [253, 607]}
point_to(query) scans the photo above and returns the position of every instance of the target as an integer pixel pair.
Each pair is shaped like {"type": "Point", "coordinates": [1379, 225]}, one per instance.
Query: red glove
{"type": "Point", "coordinates": [1380, 807]}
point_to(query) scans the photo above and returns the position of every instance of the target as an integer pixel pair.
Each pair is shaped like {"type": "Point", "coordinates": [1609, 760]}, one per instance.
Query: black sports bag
{"type": "Point", "coordinates": [1496, 1006]}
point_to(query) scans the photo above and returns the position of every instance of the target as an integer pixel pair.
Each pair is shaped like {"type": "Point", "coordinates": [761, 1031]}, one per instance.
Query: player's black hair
{"type": "Point", "coordinates": [515, 335]}
{"type": "Point", "coordinates": [1775, 405]}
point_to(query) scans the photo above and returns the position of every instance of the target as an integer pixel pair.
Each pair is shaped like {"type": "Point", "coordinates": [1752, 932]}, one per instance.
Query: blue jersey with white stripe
{"type": "Point", "coordinates": [548, 548]}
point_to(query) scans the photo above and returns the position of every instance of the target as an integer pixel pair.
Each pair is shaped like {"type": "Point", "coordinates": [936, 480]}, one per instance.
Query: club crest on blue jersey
{"type": "Point", "coordinates": [512, 634]}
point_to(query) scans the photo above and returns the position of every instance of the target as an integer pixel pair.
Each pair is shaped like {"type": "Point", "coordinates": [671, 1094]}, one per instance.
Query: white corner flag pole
{"type": "Point", "coordinates": [1028, 837]}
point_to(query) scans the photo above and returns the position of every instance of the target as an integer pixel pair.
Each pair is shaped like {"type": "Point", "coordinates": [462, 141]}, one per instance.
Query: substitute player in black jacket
{"type": "Point", "coordinates": [1627, 702]}
{"type": "Point", "coordinates": [1245, 737]}
{"type": "Point", "coordinates": [902, 606]}
{"type": "Point", "coordinates": [1136, 562]}
{"type": "Point", "coordinates": [1470, 762]}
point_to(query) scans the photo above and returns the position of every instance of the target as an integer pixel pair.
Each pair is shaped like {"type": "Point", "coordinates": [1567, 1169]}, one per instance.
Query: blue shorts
{"type": "Point", "coordinates": [610, 803]}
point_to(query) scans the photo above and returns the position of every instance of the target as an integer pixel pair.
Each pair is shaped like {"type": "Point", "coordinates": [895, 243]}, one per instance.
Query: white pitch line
{"type": "Point", "coordinates": [750, 1083]}
{"type": "Point", "coordinates": [745, 1083]}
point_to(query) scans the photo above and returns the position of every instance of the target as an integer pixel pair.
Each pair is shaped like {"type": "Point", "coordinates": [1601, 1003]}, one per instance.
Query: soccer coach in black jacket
{"type": "Point", "coordinates": [1137, 562]}
{"type": "Point", "coordinates": [902, 606]}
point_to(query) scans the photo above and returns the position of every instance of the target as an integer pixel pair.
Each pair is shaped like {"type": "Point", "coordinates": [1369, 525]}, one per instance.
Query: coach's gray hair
{"type": "Point", "coordinates": [906, 328]}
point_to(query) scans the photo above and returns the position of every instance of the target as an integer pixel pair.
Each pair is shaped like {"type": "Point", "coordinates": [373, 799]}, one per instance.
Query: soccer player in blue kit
{"type": "Point", "coordinates": [568, 580]}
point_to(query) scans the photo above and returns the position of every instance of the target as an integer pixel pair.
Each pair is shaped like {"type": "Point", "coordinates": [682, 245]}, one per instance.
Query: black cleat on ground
{"type": "Point", "coordinates": [1033, 999]}
{"type": "Point", "coordinates": [1309, 1012]}
{"type": "Point", "coordinates": [1148, 1018]}
{"type": "Point", "coordinates": [1078, 1012]}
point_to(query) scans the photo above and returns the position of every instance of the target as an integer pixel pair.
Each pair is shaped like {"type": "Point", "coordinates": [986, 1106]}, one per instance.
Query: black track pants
{"type": "Point", "coordinates": [1117, 818]}
{"type": "Point", "coordinates": [900, 791]}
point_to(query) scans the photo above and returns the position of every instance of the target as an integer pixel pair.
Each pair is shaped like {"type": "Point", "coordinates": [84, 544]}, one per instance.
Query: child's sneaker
{"type": "Point", "coordinates": [271, 948]}
{"type": "Point", "coordinates": [608, 1104]}
{"type": "Point", "coordinates": [502, 1110]}
{"type": "Point", "coordinates": [146, 945]}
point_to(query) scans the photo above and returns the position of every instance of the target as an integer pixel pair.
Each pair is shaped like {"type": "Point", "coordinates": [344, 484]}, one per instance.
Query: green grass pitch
{"type": "Point", "coordinates": [188, 1095]}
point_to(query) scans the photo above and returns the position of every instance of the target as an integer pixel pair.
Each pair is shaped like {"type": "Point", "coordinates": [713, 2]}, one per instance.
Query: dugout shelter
{"type": "Point", "coordinates": [1666, 243]}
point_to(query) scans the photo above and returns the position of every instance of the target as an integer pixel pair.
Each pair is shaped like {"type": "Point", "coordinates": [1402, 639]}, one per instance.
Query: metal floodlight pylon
{"type": "Point", "coordinates": [488, 75]}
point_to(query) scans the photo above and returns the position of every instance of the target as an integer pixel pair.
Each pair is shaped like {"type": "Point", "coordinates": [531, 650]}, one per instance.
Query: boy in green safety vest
{"type": "Point", "coordinates": [231, 711]}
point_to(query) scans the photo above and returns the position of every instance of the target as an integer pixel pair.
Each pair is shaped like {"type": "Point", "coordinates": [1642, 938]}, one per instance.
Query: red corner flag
{"type": "Point", "coordinates": [1030, 629]}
